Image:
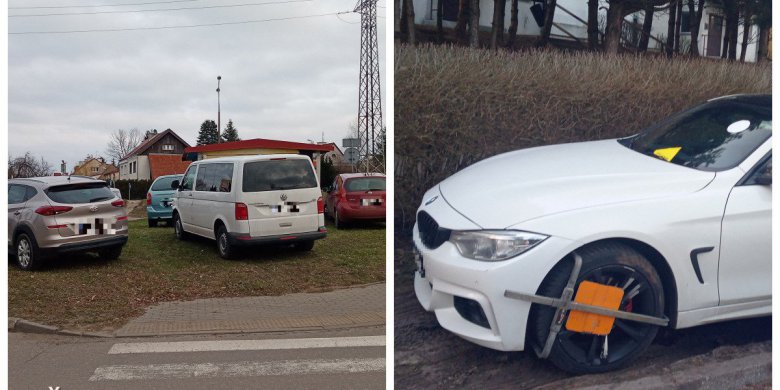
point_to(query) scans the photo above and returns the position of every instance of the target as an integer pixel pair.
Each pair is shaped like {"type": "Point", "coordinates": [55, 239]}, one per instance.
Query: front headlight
{"type": "Point", "coordinates": [494, 245]}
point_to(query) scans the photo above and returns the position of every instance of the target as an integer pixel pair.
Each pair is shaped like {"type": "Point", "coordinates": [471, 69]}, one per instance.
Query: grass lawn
{"type": "Point", "coordinates": [86, 293]}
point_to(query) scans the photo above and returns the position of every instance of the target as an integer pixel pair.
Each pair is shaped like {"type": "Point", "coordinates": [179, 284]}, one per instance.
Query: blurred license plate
{"type": "Point", "coordinates": [96, 227]}
{"type": "Point", "coordinates": [371, 202]}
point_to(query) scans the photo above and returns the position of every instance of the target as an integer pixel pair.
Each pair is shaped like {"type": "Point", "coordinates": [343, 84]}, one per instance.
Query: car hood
{"type": "Point", "coordinates": [514, 187]}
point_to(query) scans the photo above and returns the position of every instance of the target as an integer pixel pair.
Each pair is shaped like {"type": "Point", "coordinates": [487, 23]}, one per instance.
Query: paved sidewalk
{"type": "Point", "coordinates": [351, 307]}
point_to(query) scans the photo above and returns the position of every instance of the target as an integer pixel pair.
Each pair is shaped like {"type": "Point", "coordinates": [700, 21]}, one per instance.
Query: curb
{"type": "Point", "coordinates": [23, 326]}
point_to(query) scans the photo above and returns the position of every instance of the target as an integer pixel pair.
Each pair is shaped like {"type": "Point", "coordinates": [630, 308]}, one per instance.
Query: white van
{"type": "Point", "coordinates": [248, 200]}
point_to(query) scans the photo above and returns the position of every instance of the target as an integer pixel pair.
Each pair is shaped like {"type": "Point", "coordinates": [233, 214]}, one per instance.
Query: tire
{"type": "Point", "coordinates": [615, 264]}
{"type": "Point", "coordinates": [224, 247]}
{"type": "Point", "coordinates": [337, 222]}
{"type": "Point", "coordinates": [111, 253]}
{"type": "Point", "coordinates": [304, 246]}
{"type": "Point", "coordinates": [152, 223]}
{"type": "Point", "coordinates": [178, 229]}
{"type": "Point", "coordinates": [28, 256]}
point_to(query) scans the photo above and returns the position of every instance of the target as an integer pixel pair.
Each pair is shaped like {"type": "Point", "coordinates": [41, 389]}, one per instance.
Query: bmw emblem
{"type": "Point", "coordinates": [431, 200]}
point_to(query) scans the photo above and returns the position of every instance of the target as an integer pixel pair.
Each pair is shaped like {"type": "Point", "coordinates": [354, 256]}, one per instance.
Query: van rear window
{"type": "Point", "coordinates": [80, 193]}
{"type": "Point", "coordinates": [275, 175]}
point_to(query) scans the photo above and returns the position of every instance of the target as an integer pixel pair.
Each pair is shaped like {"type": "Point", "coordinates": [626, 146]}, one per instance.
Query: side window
{"type": "Point", "coordinates": [763, 170]}
{"type": "Point", "coordinates": [201, 183]}
{"type": "Point", "coordinates": [29, 193]}
{"type": "Point", "coordinates": [16, 194]}
{"type": "Point", "coordinates": [215, 177]}
{"type": "Point", "coordinates": [189, 179]}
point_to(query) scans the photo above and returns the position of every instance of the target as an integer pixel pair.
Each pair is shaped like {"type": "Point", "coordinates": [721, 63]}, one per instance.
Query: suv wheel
{"type": "Point", "coordinates": [226, 250]}
{"type": "Point", "coordinates": [111, 253]}
{"type": "Point", "coordinates": [27, 256]}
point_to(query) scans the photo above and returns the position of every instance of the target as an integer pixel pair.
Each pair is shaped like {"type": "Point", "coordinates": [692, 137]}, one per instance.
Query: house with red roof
{"type": "Point", "coordinates": [258, 146]}
{"type": "Point", "coordinates": [158, 154]}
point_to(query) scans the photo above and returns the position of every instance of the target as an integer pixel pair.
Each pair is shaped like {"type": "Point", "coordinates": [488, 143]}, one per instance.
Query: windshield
{"type": "Point", "coordinates": [272, 175]}
{"type": "Point", "coordinates": [365, 184]}
{"type": "Point", "coordinates": [80, 193]}
{"type": "Point", "coordinates": [164, 183]}
{"type": "Point", "coordinates": [714, 136]}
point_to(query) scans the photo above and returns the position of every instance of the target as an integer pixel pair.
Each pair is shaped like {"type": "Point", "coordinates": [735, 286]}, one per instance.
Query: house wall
{"type": "Point", "coordinates": [660, 29]}
{"type": "Point", "coordinates": [142, 171]}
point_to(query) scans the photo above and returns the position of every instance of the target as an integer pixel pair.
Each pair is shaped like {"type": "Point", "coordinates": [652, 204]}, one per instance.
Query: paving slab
{"type": "Point", "coordinates": [350, 307]}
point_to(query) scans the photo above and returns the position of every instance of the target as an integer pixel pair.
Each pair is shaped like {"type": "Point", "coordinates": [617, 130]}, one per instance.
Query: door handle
{"type": "Point", "coordinates": [17, 212]}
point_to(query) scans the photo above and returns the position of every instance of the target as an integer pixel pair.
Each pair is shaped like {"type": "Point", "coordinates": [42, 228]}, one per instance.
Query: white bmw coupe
{"type": "Point", "coordinates": [583, 251]}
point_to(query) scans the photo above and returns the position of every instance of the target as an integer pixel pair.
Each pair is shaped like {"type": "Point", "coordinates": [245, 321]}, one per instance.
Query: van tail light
{"type": "Point", "coordinates": [242, 212]}
{"type": "Point", "coordinates": [52, 210]}
{"type": "Point", "coordinates": [320, 206]}
{"type": "Point", "coordinates": [148, 198]}
{"type": "Point", "coordinates": [121, 203]}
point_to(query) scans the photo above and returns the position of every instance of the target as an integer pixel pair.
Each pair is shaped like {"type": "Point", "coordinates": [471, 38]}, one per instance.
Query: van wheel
{"type": "Point", "coordinates": [27, 256]}
{"type": "Point", "coordinates": [152, 223]}
{"type": "Point", "coordinates": [111, 253]}
{"type": "Point", "coordinates": [178, 229]}
{"type": "Point", "coordinates": [304, 246]}
{"type": "Point", "coordinates": [612, 264]}
{"type": "Point", "coordinates": [226, 250]}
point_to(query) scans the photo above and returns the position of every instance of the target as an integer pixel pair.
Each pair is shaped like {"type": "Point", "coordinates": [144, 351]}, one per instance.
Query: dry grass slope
{"type": "Point", "coordinates": [455, 106]}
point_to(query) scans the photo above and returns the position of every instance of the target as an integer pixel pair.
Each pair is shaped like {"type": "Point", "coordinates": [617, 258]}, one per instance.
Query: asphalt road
{"type": "Point", "coordinates": [428, 356]}
{"type": "Point", "coordinates": [323, 360]}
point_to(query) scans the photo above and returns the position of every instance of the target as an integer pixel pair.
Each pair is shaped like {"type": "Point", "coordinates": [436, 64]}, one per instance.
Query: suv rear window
{"type": "Point", "coordinates": [274, 175]}
{"type": "Point", "coordinates": [80, 193]}
{"type": "Point", "coordinates": [365, 184]}
{"type": "Point", "coordinates": [164, 184]}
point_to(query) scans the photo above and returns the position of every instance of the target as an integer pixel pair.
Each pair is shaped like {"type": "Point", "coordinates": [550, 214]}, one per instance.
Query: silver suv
{"type": "Point", "coordinates": [53, 215]}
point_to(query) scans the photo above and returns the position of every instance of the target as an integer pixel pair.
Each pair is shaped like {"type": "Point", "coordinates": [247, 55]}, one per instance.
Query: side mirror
{"type": "Point", "coordinates": [175, 185]}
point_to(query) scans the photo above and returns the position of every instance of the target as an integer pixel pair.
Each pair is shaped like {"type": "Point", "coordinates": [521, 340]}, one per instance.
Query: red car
{"type": "Point", "coordinates": [356, 197]}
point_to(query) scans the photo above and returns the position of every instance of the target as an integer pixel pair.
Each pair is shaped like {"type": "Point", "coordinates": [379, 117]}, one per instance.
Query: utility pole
{"type": "Point", "coordinates": [370, 96]}
{"type": "Point", "coordinates": [219, 123]}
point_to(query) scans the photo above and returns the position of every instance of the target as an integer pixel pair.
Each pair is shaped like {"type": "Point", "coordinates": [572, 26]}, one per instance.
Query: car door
{"type": "Point", "coordinates": [332, 195]}
{"type": "Point", "coordinates": [184, 195]}
{"type": "Point", "coordinates": [745, 272]}
{"type": "Point", "coordinates": [17, 198]}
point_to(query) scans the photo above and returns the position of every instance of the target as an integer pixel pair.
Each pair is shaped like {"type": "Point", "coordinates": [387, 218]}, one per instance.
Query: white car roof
{"type": "Point", "coordinates": [258, 157]}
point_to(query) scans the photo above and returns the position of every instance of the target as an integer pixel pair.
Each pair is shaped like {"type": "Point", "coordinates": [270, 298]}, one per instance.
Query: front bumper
{"type": "Point", "coordinates": [448, 275]}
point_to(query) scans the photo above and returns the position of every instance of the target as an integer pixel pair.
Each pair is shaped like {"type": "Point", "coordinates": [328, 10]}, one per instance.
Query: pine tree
{"type": "Point", "coordinates": [208, 133]}
{"type": "Point", "coordinates": [231, 133]}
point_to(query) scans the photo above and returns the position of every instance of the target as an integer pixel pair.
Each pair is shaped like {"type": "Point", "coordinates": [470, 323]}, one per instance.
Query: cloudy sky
{"type": "Point", "coordinates": [288, 79]}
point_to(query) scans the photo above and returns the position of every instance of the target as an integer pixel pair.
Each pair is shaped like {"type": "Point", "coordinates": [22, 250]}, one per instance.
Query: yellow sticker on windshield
{"type": "Point", "coordinates": [667, 153]}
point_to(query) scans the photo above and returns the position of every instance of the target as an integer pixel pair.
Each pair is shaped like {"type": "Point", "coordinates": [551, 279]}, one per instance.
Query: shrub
{"type": "Point", "coordinates": [455, 106]}
{"type": "Point", "coordinates": [133, 189]}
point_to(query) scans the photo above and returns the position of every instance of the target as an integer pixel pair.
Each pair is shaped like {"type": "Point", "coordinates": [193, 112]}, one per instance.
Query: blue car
{"type": "Point", "coordinates": [159, 200]}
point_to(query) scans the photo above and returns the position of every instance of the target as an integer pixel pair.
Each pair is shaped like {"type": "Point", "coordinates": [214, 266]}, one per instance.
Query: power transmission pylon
{"type": "Point", "coordinates": [370, 100]}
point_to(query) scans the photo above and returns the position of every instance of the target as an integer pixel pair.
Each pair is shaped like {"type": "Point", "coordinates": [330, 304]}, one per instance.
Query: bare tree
{"type": "Point", "coordinates": [549, 16]}
{"type": "Point", "coordinates": [593, 24]}
{"type": "Point", "coordinates": [671, 31]}
{"type": "Point", "coordinates": [28, 166]}
{"type": "Point", "coordinates": [122, 142]}
{"type": "Point", "coordinates": [497, 34]}
{"type": "Point", "coordinates": [647, 27]}
{"type": "Point", "coordinates": [409, 18]}
{"type": "Point", "coordinates": [474, 23]}
{"type": "Point", "coordinates": [695, 22]}
{"type": "Point", "coordinates": [510, 42]}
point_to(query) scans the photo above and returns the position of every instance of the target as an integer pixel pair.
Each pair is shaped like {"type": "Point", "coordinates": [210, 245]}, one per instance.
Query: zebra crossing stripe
{"type": "Point", "coordinates": [237, 369]}
{"type": "Point", "coordinates": [247, 345]}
